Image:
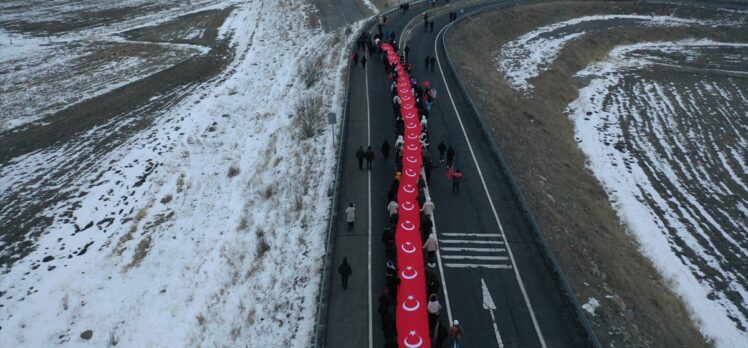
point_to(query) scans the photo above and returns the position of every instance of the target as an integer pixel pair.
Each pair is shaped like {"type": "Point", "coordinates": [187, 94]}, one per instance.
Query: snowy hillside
{"type": "Point", "coordinates": [203, 227]}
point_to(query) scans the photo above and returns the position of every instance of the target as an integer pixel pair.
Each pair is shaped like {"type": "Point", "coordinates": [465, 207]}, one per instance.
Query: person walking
{"type": "Point", "coordinates": [450, 156]}
{"type": "Point", "coordinates": [392, 210]}
{"type": "Point", "coordinates": [430, 247]}
{"type": "Point", "coordinates": [406, 50]}
{"type": "Point", "coordinates": [434, 308]}
{"type": "Point", "coordinates": [385, 149]}
{"type": "Point", "coordinates": [354, 58]}
{"type": "Point", "coordinates": [432, 60]}
{"type": "Point", "coordinates": [442, 147]}
{"type": "Point", "coordinates": [363, 62]}
{"type": "Point", "coordinates": [350, 216]}
{"type": "Point", "coordinates": [456, 332]}
{"type": "Point", "coordinates": [431, 26]}
{"type": "Point", "coordinates": [427, 61]}
{"type": "Point", "coordinates": [360, 157]}
{"type": "Point", "coordinates": [369, 155]}
{"type": "Point", "coordinates": [428, 207]}
{"type": "Point", "coordinates": [345, 272]}
{"type": "Point", "coordinates": [456, 178]}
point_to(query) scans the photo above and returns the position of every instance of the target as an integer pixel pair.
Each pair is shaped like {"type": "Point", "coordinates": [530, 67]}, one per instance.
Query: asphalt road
{"type": "Point", "coordinates": [486, 244]}
{"type": "Point", "coordinates": [334, 14]}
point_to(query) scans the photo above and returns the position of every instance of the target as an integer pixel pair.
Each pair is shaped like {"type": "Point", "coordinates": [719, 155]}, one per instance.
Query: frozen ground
{"type": "Point", "coordinates": [665, 128]}
{"type": "Point", "coordinates": [529, 55]}
{"type": "Point", "coordinates": [669, 145]}
{"type": "Point", "coordinates": [194, 218]}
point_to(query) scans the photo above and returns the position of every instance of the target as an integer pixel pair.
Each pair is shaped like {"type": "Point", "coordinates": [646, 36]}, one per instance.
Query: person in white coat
{"type": "Point", "coordinates": [392, 209]}
{"type": "Point", "coordinates": [428, 207]}
{"type": "Point", "coordinates": [350, 216]}
{"type": "Point", "coordinates": [434, 308]}
{"type": "Point", "coordinates": [430, 247]}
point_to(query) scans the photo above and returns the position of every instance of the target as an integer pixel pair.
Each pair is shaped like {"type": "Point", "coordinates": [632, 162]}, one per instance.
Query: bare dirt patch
{"type": "Point", "coordinates": [599, 257]}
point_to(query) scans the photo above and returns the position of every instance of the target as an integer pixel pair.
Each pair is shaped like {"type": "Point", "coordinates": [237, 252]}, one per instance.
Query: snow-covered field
{"type": "Point", "coordinates": [677, 166]}
{"type": "Point", "coordinates": [207, 227]}
{"type": "Point", "coordinates": [529, 55]}
{"type": "Point", "coordinates": [665, 128]}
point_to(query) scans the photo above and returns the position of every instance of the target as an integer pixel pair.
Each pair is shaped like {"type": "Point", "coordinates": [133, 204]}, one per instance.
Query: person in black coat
{"type": "Point", "coordinates": [442, 149]}
{"type": "Point", "coordinates": [345, 272]}
{"type": "Point", "coordinates": [432, 60]}
{"type": "Point", "coordinates": [360, 157]}
{"type": "Point", "coordinates": [450, 156]}
{"type": "Point", "coordinates": [369, 155]}
{"type": "Point", "coordinates": [385, 149]}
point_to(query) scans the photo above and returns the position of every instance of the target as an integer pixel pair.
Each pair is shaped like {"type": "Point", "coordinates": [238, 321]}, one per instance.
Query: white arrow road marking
{"type": "Point", "coordinates": [490, 306]}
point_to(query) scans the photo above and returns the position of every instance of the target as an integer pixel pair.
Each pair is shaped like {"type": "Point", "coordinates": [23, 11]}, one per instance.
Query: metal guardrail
{"type": "Point", "coordinates": [516, 189]}
{"type": "Point", "coordinates": [320, 326]}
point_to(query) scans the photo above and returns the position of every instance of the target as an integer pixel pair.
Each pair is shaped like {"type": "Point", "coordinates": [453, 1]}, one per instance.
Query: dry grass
{"type": "Point", "coordinates": [311, 71]}
{"type": "Point", "coordinates": [233, 171]}
{"type": "Point", "coordinates": [140, 252]}
{"type": "Point", "coordinates": [309, 115]}
{"type": "Point", "coordinates": [571, 207]}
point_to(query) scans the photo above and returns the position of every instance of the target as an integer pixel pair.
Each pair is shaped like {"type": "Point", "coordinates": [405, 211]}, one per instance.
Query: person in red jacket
{"type": "Point", "coordinates": [456, 178]}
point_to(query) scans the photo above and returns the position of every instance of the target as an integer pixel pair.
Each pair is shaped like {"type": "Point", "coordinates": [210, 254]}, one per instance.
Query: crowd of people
{"type": "Point", "coordinates": [425, 97]}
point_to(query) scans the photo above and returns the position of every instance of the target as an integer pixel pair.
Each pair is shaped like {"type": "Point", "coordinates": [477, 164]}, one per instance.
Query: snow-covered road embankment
{"type": "Point", "coordinates": [220, 238]}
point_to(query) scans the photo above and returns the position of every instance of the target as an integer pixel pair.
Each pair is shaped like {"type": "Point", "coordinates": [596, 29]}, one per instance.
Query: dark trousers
{"type": "Point", "coordinates": [345, 282]}
{"type": "Point", "coordinates": [361, 163]}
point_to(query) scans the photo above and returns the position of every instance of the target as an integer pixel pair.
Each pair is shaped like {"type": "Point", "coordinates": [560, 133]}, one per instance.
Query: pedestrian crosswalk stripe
{"type": "Point", "coordinates": [471, 257]}
{"type": "Point", "coordinates": [473, 249]}
{"type": "Point", "coordinates": [466, 265]}
{"type": "Point", "coordinates": [470, 234]}
{"type": "Point", "coordinates": [461, 241]}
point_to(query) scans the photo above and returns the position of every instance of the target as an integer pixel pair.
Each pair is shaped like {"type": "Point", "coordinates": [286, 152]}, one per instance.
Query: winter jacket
{"type": "Point", "coordinates": [350, 214]}
{"type": "Point", "coordinates": [428, 208]}
{"type": "Point", "coordinates": [434, 307]}
{"type": "Point", "coordinates": [392, 208]}
{"type": "Point", "coordinates": [431, 243]}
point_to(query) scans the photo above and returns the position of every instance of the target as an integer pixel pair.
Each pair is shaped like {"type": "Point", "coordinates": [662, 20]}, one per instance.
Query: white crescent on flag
{"type": "Point", "coordinates": [409, 188]}
{"type": "Point", "coordinates": [408, 226]}
{"type": "Point", "coordinates": [413, 273]}
{"type": "Point", "coordinates": [411, 159]}
{"type": "Point", "coordinates": [407, 107]}
{"type": "Point", "coordinates": [411, 248]}
{"type": "Point", "coordinates": [410, 172]}
{"type": "Point", "coordinates": [411, 126]}
{"type": "Point", "coordinates": [406, 341]}
{"type": "Point", "coordinates": [412, 136]}
{"type": "Point", "coordinates": [412, 147]}
{"type": "Point", "coordinates": [407, 205]}
{"type": "Point", "coordinates": [411, 308]}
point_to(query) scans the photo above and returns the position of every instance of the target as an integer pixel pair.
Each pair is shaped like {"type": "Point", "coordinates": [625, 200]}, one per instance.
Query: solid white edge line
{"type": "Point", "coordinates": [488, 195]}
{"type": "Point", "coordinates": [368, 175]}
{"type": "Point", "coordinates": [438, 253]}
